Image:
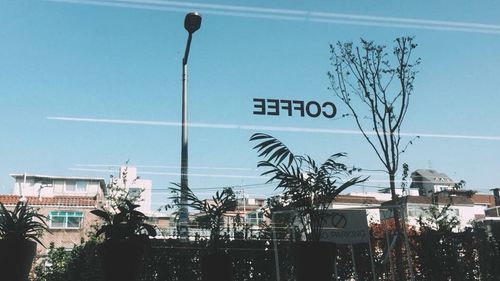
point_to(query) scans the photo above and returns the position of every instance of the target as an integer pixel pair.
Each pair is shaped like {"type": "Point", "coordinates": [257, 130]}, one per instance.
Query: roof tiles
{"type": "Point", "coordinates": [82, 201]}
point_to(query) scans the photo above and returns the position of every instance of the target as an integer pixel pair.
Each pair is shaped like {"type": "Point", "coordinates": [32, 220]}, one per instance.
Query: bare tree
{"type": "Point", "coordinates": [376, 88]}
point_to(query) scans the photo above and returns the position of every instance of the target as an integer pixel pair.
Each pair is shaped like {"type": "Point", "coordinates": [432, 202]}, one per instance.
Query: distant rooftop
{"type": "Point", "coordinates": [433, 176]}
{"type": "Point", "coordinates": [56, 177]}
{"type": "Point", "coordinates": [62, 201]}
{"type": "Point", "coordinates": [484, 199]}
{"type": "Point", "coordinates": [355, 199]}
{"type": "Point", "coordinates": [427, 200]}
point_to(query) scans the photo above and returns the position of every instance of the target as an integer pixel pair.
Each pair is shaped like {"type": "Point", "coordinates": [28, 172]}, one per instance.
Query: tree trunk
{"type": "Point", "coordinates": [399, 243]}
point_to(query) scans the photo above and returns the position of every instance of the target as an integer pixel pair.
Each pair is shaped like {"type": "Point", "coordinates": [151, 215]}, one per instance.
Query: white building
{"type": "Point", "coordinates": [429, 181]}
{"type": "Point", "coordinates": [65, 201]}
{"type": "Point", "coordinates": [414, 207]}
{"type": "Point", "coordinates": [134, 185]}
{"type": "Point", "coordinates": [51, 186]}
{"type": "Point", "coordinates": [42, 186]}
{"type": "Point", "coordinates": [437, 188]}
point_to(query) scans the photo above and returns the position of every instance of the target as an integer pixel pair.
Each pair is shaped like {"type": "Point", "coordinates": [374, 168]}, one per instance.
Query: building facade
{"type": "Point", "coordinates": [65, 201]}
{"type": "Point", "coordinates": [428, 181]}
{"type": "Point", "coordinates": [68, 217]}
{"type": "Point", "coordinates": [34, 185]}
{"type": "Point", "coordinates": [136, 187]}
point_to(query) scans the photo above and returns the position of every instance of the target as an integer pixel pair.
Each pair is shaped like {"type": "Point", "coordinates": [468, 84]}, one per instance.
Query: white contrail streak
{"type": "Point", "coordinates": [295, 15]}
{"type": "Point", "coordinates": [204, 175]}
{"type": "Point", "coordinates": [265, 128]}
{"type": "Point", "coordinates": [402, 25]}
{"type": "Point", "coordinates": [174, 174]}
{"type": "Point", "coordinates": [170, 167]}
{"type": "Point", "coordinates": [365, 172]}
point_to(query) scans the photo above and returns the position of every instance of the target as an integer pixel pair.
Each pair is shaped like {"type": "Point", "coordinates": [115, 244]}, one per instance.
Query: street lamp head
{"type": "Point", "coordinates": [192, 22]}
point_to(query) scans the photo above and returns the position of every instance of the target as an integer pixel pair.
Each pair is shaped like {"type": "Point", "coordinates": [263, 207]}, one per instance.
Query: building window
{"type": "Point", "coordinates": [415, 212]}
{"type": "Point", "coordinates": [386, 214]}
{"type": "Point", "coordinates": [44, 182]}
{"type": "Point", "coordinates": [65, 220]}
{"type": "Point", "coordinates": [76, 186]}
{"type": "Point", "coordinates": [255, 218]}
{"type": "Point", "coordinates": [134, 193]}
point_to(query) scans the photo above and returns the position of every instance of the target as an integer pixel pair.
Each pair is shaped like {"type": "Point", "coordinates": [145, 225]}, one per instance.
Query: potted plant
{"type": "Point", "coordinates": [19, 233]}
{"type": "Point", "coordinates": [308, 190]}
{"type": "Point", "coordinates": [126, 238]}
{"type": "Point", "coordinates": [216, 264]}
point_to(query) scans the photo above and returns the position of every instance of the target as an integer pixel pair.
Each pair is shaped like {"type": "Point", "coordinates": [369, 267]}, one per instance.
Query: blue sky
{"type": "Point", "coordinates": [68, 60]}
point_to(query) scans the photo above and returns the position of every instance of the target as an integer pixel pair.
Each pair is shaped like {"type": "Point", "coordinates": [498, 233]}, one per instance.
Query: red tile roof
{"type": "Point", "coordinates": [355, 199]}
{"type": "Point", "coordinates": [81, 201]}
{"type": "Point", "coordinates": [484, 199]}
{"type": "Point", "coordinates": [453, 200]}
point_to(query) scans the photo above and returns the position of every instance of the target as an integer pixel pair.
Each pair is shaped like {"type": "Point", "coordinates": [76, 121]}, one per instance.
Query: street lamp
{"type": "Point", "coordinates": [192, 23]}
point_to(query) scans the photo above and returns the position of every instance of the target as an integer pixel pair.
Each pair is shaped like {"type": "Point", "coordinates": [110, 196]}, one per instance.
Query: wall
{"type": "Point", "coordinates": [67, 238]}
{"type": "Point", "coordinates": [132, 181]}
{"type": "Point", "coordinates": [465, 214]}
{"type": "Point", "coordinates": [52, 187]}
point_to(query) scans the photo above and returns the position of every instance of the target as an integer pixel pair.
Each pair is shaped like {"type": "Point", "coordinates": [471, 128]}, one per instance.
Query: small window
{"type": "Point", "coordinates": [65, 220]}
{"type": "Point", "coordinates": [45, 182]}
{"type": "Point", "coordinates": [76, 186]}
{"type": "Point", "coordinates": [255, 218]}
{"type": "Point", "coordinates": [134, 193]}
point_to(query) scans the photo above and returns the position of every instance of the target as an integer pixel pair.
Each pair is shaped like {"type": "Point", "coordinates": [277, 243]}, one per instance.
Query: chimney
{"type": "Point", "coordinates": [496, 194]}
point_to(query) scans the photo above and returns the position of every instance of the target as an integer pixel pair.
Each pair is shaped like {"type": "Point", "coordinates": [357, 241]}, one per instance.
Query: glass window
{"type": "Point", "coordinates": [65, 219]}
{"type": "Point", "coordinates": [56, 222]}
{"type": "Point", "coordinates": [134, 192]}
{"type": "Point", "coordinates": [76, 186]}
{"type": "Point", "coordinates": [81, 186]}
{"type": "Point", "coordinates": [70, 185]}
{"type": "Point", "coordinates": [254, 218]}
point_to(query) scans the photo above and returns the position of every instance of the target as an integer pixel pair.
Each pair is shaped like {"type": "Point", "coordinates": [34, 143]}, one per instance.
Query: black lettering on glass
{"type": "Point", "coordinates": [333, 111]}
{"type": "Point", "coordinates": [272, 107]}
{"type": "Point", "coordinates": [299, 106]}
{"type": "Point", "coordinates": [287, 105]}
{"type": "Point", "coordinates": [315, 104]}
{"type": "Point", "coordinates": [260, 106]}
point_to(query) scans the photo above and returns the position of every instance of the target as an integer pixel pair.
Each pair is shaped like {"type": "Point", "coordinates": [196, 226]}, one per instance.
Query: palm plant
{"type": "Point", "coordinates": [308, 187]}
{"type": "Point", "coordinates": [126, 241]}
{"type": "Point", "coordinates": [214, 209]}
{"type": "Point", "coordinates": [20, 230]}
{"type": "Point", "coordinates": [22, 223]}
{"type": "Point", "coordinates": [127, 223]}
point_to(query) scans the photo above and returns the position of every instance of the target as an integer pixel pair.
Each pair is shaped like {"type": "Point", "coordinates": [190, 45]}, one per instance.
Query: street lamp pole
{"type": "Point", "coordinates": [192, 23]}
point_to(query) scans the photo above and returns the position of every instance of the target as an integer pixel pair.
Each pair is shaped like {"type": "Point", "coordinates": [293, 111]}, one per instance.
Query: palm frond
{"type": "Point", "coordinates": [273, 150]}
{"type": "Point", "coordinates": [23, 222]}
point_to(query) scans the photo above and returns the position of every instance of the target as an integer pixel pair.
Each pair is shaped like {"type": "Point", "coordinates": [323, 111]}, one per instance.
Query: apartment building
{"type": "Point", "coordinates": [68, 217]}
{"type": "Point", "coordinates": [65, 201]}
